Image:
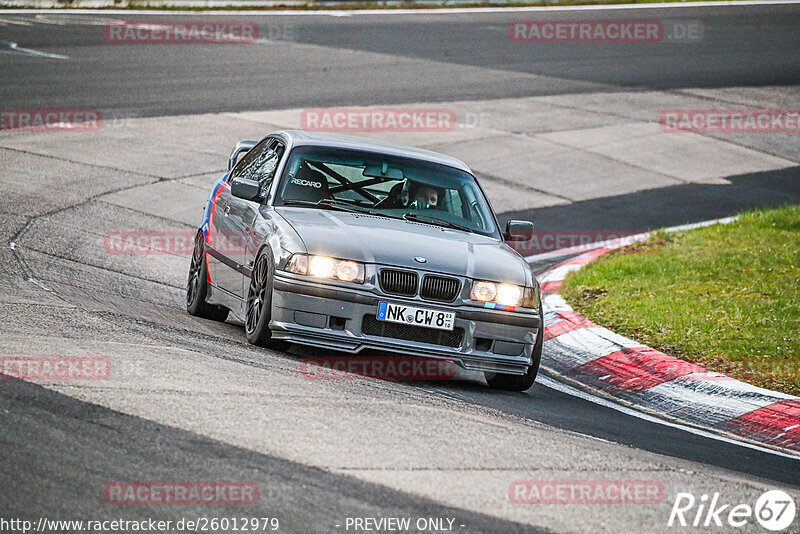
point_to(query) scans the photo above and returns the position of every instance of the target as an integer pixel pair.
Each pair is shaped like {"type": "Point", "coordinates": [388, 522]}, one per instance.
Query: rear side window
{"type": "Point", "coordinates": [260, 164]}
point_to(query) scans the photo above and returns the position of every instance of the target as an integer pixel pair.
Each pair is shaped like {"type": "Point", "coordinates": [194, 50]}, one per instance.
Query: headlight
{"type": "Point", "coordinates": [500, 296]}
{"type": "Point", "coordinates": [508, 295]}
{"type": "Point", "coordinates": [320, 266]}
{"type": "Point", "coordinates": [325, 267]}
{"type": "Point", "coordinates": [483, 291]}
{"type": "Point", "coordinates": [349, 271]}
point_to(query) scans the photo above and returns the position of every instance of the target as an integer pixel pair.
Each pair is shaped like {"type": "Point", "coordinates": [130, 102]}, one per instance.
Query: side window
{"type": "Point", "coordinates": [260, 164]}
{"type": "Point", "coordinates": [472, 210]}
{"type": "Point", "coordinates": [247, 161]}
{"type": "Point", "coordinates": [453, 202]}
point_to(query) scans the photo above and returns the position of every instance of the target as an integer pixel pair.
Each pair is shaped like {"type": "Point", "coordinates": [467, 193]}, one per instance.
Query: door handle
{"type": "Point", "coordinates": [227, 210]}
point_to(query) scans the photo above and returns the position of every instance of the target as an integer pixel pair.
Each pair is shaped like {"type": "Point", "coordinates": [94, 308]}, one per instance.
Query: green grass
{"type": "Point", "coordinates": [345, 6]}
{"type": "Point", "coordinates": [726, 297]}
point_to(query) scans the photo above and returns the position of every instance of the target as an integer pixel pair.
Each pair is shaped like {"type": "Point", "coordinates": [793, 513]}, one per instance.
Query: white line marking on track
{"type": "Point", "coordinates": [551, 383]}
{"type": "Point", "coordinates": [443, 11]}
{"type": "Point", "coordinates": [88, 20]}
{"type": "Point", "coordinates": [16, 48]}
{"type": "Point", "coordinates": [41, 19]}
{"type": "Point", "coordinates": [15, 22]}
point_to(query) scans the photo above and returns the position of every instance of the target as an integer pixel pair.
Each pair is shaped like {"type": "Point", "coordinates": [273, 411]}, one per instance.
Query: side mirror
{"type": "Point", "coordinates": [246, 189]}
{"type": "Point", "coordinates": [239, 151]}
{"type": "Point", "coordinates": [518, 231]}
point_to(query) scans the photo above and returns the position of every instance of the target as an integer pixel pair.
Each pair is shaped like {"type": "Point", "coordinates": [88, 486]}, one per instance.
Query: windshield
{"type": "Point", "coordinates": [386, 185]}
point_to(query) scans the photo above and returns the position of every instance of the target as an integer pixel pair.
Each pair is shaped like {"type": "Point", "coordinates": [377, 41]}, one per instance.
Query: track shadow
{"type": "Point", "coordinates": [668, 206]}
{"type": "Point", "coordinates": [43, 478]}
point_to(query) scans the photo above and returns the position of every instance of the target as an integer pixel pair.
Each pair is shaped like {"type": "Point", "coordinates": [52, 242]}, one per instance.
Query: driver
{"type": "Point", "coordinates": [409, 194]}
{"type": "Point", "coordinates": [426, 197]}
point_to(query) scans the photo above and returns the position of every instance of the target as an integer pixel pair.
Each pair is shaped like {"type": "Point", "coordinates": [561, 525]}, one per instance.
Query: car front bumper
{"type": "Point", "coordinates": [333, 317]}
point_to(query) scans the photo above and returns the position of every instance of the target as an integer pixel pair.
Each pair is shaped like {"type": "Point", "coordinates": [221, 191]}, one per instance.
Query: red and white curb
{"type": "Point", "coordinates": [617, 367]}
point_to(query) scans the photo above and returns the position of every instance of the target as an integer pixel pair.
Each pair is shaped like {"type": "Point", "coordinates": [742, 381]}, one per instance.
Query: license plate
{"type": "Point", "coordinates": [400, 313]}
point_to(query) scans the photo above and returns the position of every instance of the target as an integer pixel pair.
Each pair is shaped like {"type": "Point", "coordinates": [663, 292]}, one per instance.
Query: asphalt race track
{"type": "Point", "coordinates": [319, 60]}
{"type": "Point", "coordinates": [567, 136]}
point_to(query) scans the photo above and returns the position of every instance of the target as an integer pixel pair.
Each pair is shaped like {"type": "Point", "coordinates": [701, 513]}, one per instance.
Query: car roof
{"type": "Point", "coordinates": [306, 138]}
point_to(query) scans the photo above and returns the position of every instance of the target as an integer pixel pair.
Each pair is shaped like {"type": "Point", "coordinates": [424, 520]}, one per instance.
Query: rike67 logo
{"type": "Point", "coordinates": [774, 510]}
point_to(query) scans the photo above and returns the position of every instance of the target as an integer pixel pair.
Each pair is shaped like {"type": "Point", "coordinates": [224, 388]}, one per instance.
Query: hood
{"type": "Point", "coordinates": [375, 239]}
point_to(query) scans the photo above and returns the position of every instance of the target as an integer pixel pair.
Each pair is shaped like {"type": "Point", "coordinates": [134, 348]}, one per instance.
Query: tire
{"type": "Point", "coordinates": [259, 304]}
{"type": "Point", "coordinates": [197, 286]}
{"type": "Point", "coordinates": [520, 382]}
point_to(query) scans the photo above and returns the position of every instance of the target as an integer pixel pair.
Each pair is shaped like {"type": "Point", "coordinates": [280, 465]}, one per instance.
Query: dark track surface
{"type": "Point", "coordinates": [384, 59]}
{"type": "Point", "coordinates": [109, 446]}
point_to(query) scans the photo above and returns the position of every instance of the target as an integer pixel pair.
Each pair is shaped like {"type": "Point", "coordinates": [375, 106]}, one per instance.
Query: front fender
{"type": "Point", "coordinates": [209, 209]}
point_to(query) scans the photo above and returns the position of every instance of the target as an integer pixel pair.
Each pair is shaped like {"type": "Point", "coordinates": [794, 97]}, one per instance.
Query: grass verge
{"type": "Point", "coordinates": [726, 297]}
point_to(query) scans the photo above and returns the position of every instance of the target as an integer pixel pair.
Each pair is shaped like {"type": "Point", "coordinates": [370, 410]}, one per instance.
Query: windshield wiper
{"type": "Point", "coordinates": [434, 221]}
{"type": "Point", "coordinates": [327, 203]}
{"type": "Point", "coordinates": [339, 205]}
{"type": "Point", "coordinates": [351, 207]}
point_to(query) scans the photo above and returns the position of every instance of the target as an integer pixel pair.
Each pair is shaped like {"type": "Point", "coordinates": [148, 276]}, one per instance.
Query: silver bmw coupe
{"type": "Point", "coordinates": [350, 244]}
